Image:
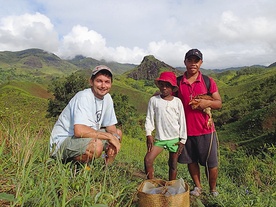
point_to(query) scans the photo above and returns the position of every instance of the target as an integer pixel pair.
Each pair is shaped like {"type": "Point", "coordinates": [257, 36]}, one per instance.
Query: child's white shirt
{"type": "Point", "coordinates": [167, 118]}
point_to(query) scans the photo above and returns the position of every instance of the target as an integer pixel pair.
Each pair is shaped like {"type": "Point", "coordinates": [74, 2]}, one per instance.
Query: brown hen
{"type": "Point", "coordinates": [195, 105]}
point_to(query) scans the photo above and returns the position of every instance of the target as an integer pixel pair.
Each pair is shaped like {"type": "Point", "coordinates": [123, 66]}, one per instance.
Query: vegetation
{"type": "Point", "coordinates": [28, 177]}
{"type": "Point", "coordinates": [63, 90]}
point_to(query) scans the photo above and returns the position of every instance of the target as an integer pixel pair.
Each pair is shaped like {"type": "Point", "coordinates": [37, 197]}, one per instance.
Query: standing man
{"type": "Point", "coordinates": [86, 126]}
{"type": "Point", "coordinates": [201, 145]}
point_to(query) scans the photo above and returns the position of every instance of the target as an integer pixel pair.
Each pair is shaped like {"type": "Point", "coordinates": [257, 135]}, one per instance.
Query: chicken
{"type": "Point", "coordinates": [195, 104]}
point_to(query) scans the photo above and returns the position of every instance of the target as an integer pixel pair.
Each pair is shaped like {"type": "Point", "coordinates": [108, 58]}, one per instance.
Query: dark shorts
{"type": "Point", "coordinates": [201, 149]}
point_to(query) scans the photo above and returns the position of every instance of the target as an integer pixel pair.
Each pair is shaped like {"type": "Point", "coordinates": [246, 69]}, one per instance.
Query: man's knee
{"type": "Point", "coordinates": [94, 149]}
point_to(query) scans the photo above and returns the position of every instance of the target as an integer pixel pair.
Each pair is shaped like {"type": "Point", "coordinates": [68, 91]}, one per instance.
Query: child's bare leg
{"type": "Point", "coordinates": [173, 165]}
{"type": "Point", "coordinates": [149, 159]}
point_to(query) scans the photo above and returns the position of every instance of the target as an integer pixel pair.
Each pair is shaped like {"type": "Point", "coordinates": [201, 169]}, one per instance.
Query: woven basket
{"type": "Point", "coordinates": [161, 200]}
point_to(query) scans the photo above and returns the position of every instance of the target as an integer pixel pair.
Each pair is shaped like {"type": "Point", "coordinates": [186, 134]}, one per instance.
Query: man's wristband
{"type": "Point", "coordinates": [117, 136]}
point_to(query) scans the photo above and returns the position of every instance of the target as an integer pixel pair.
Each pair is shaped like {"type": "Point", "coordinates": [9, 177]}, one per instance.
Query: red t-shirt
{"type": "Point", "coordinates": [196, 120]}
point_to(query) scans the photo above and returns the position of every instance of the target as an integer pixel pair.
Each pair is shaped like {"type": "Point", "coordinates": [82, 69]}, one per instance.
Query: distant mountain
{"type": "Point", "coordinates": [150, 68]}
{"type": "Point", "coordinates": [34, 62]}
{"type": "Point", "coordinates": [88, 63]}
{"type": "Point", "coordinates": [35, 59]}
{"type": "Point", "coordinates": [272, 65]}
{"type": "Point", "coordinates": [237, 68]}
{"type": "Point", "coordinates": [84, 62]}
{"type": "Point", "coordinates": [48, 63]}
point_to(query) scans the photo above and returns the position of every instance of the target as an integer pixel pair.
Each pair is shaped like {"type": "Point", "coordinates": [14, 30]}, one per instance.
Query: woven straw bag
{"type": "Point", "coordinates": [160, 199]}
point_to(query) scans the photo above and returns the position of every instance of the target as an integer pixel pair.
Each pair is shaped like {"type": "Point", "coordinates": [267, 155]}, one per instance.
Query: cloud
{"type": "Point", "coordinates": [27, 31]}
{"type": "Point", "coordinates": [171, 53]}
{"type": "Point", "coordinates": [82, 41]}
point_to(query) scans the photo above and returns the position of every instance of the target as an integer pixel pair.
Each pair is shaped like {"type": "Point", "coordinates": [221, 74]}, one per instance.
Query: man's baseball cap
{"type": "Point", "coordinates": [99, 68]}
{"type": "Point", "coordinates": [194, 52]}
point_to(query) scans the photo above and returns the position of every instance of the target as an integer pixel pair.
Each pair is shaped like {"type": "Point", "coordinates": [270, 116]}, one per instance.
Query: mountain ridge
{"type": "Point", "coordinates": [39, 59]}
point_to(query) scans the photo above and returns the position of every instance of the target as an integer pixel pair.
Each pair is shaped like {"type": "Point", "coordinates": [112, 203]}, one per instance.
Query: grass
{"type": "Point", "coordinates": [30, 178]}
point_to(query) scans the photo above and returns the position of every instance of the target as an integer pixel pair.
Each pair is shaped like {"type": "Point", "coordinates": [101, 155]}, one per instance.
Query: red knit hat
{"type": "Point", "coordinates": [167, 76]}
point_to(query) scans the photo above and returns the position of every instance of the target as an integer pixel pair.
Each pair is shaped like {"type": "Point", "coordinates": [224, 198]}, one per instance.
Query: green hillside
{"type": "Point", "coordinates": [24, 102]}
{"type": "Point", "coordinates": [33, 89]}
{"type": "Point", "coordinates": [138, 99]}
{"type": "Point", "coordinates": [87, 63]}
{"type": "Point", "coordinates": [35, 62]}
{"type": "Point", "coordinates": [249, 106]}
{"type": "Point", "coordinates": [234, 83]}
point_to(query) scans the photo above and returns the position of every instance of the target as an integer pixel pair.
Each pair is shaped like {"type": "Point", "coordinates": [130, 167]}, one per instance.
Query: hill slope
{"type": "Point", "coordinates": [249, 106]}
{"type": "Point", "coordinates": [87, 63]}
{"type": "Point", "coordinates": [24, 102]}
{"type": "Point", "coordinates": [150, 68]}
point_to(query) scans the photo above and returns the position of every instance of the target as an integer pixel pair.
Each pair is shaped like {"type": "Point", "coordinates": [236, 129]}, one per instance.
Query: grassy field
{"type": "Point", "coordinates": [28, 177]}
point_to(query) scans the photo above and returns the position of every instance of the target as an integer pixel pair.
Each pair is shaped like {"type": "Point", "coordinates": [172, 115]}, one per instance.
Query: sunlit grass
{"type": "Point", "coordinates": [30, 178]}
{"type": "Point", "coordinates": [33, 179]}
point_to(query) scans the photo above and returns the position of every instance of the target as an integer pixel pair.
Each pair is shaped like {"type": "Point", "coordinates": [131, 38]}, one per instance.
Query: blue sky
{"type": "Point", "coordinates": [229, 33]}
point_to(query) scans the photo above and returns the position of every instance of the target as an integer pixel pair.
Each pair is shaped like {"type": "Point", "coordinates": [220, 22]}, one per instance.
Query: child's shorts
{"type": "Point", "coordinates": [170, 145]}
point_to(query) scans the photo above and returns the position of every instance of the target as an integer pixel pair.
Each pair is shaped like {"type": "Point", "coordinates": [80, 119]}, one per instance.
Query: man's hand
{"type": "Point", "coordinates": [112, 141]}
{"type": "Point", "coordinates": [112, 149]}
{"type": "Point", "coordinates": [199, 103]}
{"type": "Point", "coordinates": [110, 154]}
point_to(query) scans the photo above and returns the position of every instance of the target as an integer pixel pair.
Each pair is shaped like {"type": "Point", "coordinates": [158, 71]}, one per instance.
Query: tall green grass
{"type": "Point", "coordinates": [30, 178]}
{"type": "Point", "coordinates": [33, 179]}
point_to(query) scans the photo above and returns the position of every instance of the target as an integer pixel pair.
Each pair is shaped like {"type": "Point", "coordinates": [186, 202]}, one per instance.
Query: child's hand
{"type": "Point", "coordinates": [180, 147]}
{"type": "Point", "coordinates": [149, 142]}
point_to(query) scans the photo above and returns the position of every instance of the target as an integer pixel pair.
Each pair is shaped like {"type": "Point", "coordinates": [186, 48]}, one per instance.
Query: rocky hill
{"type": "Point", "coordinates": [272, 65]}
{"type": "Point", "coordinates": [150, 68]}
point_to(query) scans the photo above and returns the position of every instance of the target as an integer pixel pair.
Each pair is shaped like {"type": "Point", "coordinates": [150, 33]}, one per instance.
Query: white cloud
{"type": "Point", "coordinates": [171, 53]}
{"type": "Point", "coordinates": [89, 43]}
{"type": "Point", "coordinates": [81, 41]}
{"type": "Point", "coordinates": [27, 31]}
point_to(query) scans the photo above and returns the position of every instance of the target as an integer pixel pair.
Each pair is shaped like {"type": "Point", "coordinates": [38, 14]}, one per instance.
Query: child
{"type": "Point", "coordinates": [165, 115]}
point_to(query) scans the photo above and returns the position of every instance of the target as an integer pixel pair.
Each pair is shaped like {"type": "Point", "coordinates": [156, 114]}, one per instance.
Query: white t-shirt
{"type": "Point", "coordinates": [84, 108]}
{"type": "Point", "coordinates": [166, 118]}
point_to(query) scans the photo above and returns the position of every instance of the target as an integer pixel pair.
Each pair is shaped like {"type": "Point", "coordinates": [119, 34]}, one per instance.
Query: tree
{"type": "Point", "coordinates": [129, 120]}
{"type": "Point", "coordinates": [63, 90]}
